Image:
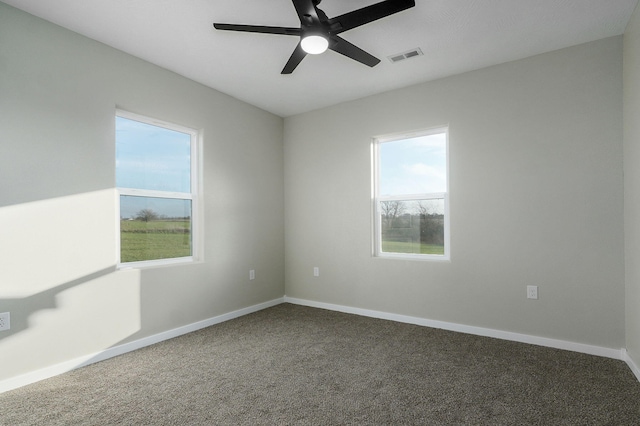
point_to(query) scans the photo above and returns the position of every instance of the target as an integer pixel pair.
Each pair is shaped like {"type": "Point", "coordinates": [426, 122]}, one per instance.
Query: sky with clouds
{"type": "Point", "coordinates": [413, 166]}
{"type": "Point", "coordinates": [159, 159]}
{"type": "Point", "coordinates": [153, 158]}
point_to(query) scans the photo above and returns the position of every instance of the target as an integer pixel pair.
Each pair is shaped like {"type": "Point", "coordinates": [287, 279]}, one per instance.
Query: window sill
{"type": "Point", "coordinates": [409, 256]}
{"type": "Point", "coordinates": [159, 263]}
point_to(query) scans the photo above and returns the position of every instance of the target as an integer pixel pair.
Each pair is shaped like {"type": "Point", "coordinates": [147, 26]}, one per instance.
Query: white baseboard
{"type": "Point", "coordinates": [632, 365]}
{"type": "Point", "coordinates": [63, 367]}
{"type": "Point", "coordinates": [479, 331]}
{"type": "Point", "coordinates": [54, 370]}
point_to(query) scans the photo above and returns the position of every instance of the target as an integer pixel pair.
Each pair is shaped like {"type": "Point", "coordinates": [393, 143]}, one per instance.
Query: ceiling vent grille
{"type": "Point", "coordinates": [405, 55]}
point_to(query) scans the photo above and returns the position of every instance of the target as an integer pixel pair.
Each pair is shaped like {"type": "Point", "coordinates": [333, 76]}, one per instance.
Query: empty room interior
{"type": "Point", "coordinates": [279, 182]}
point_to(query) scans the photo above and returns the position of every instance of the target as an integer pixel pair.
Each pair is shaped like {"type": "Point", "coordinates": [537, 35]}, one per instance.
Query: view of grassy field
{"type": "Point", "coordinates": [166, 239]}
{"type": "Point", "coordinates": [408, 247]}
{"type": "Point", "coordinates": [155, 239]}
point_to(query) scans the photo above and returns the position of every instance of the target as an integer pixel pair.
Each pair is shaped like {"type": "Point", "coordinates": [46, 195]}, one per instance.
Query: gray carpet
{"type": "Point", "coordinates": [297, 365]}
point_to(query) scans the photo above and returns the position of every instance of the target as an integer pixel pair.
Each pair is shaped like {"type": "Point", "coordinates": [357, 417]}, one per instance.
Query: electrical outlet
{"type": "Point", "coordinates": [532, 292]}
{"type": "Point", "coordinates": [316, 271]}
{"type": "Point", "coordinates": [252, 274]}
{"type": "Point", "coordinates": [5, 321]}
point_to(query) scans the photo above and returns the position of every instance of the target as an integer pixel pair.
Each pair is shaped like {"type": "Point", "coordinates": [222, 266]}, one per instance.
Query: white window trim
{"type": "Point", "coordinates": [195, 195]}
{"type": "Point", "coordinates": [377, 199]}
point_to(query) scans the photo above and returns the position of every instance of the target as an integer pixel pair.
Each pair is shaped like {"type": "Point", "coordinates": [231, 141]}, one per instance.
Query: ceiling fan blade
{"type": "Point", "coordinates": [296, 57]}
{"type": "Point", "coordinates": [258, 29]}
{"type": "Point", "coordinates": [307, 11]}
{"type": "Point", "coordinates": [349, 50]}
{"type": "Point", "coordinates": [368, 14]}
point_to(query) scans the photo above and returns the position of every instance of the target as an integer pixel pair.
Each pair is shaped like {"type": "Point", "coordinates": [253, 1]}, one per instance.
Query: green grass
{"type": "Point", "coordinates": [166, 239]}
{"type": "Point", "coordinates": [407, 247]}
{"type": "Point", "coordinates": [160, 239]}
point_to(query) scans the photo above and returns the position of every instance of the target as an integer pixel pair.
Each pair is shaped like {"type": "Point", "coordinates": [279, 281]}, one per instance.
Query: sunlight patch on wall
{"type": "Point", "coordinates": [48, 244]}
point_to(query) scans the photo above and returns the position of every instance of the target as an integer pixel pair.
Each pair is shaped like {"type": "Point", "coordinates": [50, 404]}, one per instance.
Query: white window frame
{"type": "Point", "coordinates": [193, 196]}
{"type": "Point", "coordinates": [377, 199]}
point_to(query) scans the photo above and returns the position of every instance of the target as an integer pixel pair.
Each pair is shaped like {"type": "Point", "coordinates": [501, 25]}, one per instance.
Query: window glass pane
{"type": "Point", "coordinates": [152, 157]}
{"type": "Point", "coordinates": [154, 228]}
{"type": "Point", "coordinates": [413, 166]}
{"type": "Point", "coordinates": [412, 226]}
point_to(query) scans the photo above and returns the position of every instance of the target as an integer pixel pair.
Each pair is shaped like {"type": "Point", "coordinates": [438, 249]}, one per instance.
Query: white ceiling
{"type": "Point", "coordinates": [455, 36]}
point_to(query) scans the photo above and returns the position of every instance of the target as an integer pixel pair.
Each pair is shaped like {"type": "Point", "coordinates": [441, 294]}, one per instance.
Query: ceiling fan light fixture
{"type": "Point", "coordinates": [314, 44]}
{"type": "Point", "coordinates": [318, 32]}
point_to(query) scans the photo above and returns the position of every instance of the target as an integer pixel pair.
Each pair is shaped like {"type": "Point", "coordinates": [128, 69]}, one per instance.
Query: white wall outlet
{"type": "Point", "coordinates": [252, 274]}
{"type": "Point", "coordinates": [532, 292]}
{"type": "Point", "coordinates": [316, 271]}
{"type": "Point", "coordinates": [5, 321]}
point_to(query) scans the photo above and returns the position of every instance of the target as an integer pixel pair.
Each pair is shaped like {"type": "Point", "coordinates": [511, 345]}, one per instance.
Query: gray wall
{"type": "Point", "coordinates": [536, 198]}
{"type": "Point", "coordinates": [58, 95]}
{"type": "Point", "coordinates": [632, 184]}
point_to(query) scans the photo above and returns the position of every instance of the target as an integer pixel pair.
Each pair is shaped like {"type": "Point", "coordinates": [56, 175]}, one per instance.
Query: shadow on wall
{"type": "Point", "coordinates": [58, 281]}
{"type": "Point", "coordinates": [25, 307]}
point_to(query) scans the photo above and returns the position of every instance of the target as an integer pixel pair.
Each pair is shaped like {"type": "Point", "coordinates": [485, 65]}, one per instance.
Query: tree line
{"type": "Point", "coordinates": [410, 220]}
{"type": "Point", "coordinates": [149, 215]}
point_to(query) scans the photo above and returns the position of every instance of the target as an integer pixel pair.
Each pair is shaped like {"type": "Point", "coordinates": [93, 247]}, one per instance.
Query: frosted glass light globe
{"type": "Point", "coordinates": [314, 44]}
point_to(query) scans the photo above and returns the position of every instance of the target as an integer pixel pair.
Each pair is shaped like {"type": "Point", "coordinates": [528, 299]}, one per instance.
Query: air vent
{"type": "Point", "coordinates": [405, 55]}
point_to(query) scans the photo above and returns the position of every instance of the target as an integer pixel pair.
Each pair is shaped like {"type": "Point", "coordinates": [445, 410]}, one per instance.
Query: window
{"type": "Point", "coordinates": [156, 180]}
{"type": "Point", "coordinates": [410, 195]}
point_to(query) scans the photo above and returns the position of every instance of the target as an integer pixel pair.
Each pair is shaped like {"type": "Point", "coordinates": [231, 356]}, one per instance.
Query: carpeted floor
{"type": "Point", "coordinates": [298, 365]}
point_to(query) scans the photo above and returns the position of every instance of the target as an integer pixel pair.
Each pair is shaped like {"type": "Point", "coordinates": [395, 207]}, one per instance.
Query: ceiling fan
{"type": "Point", "coordinates": [318, 33]}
